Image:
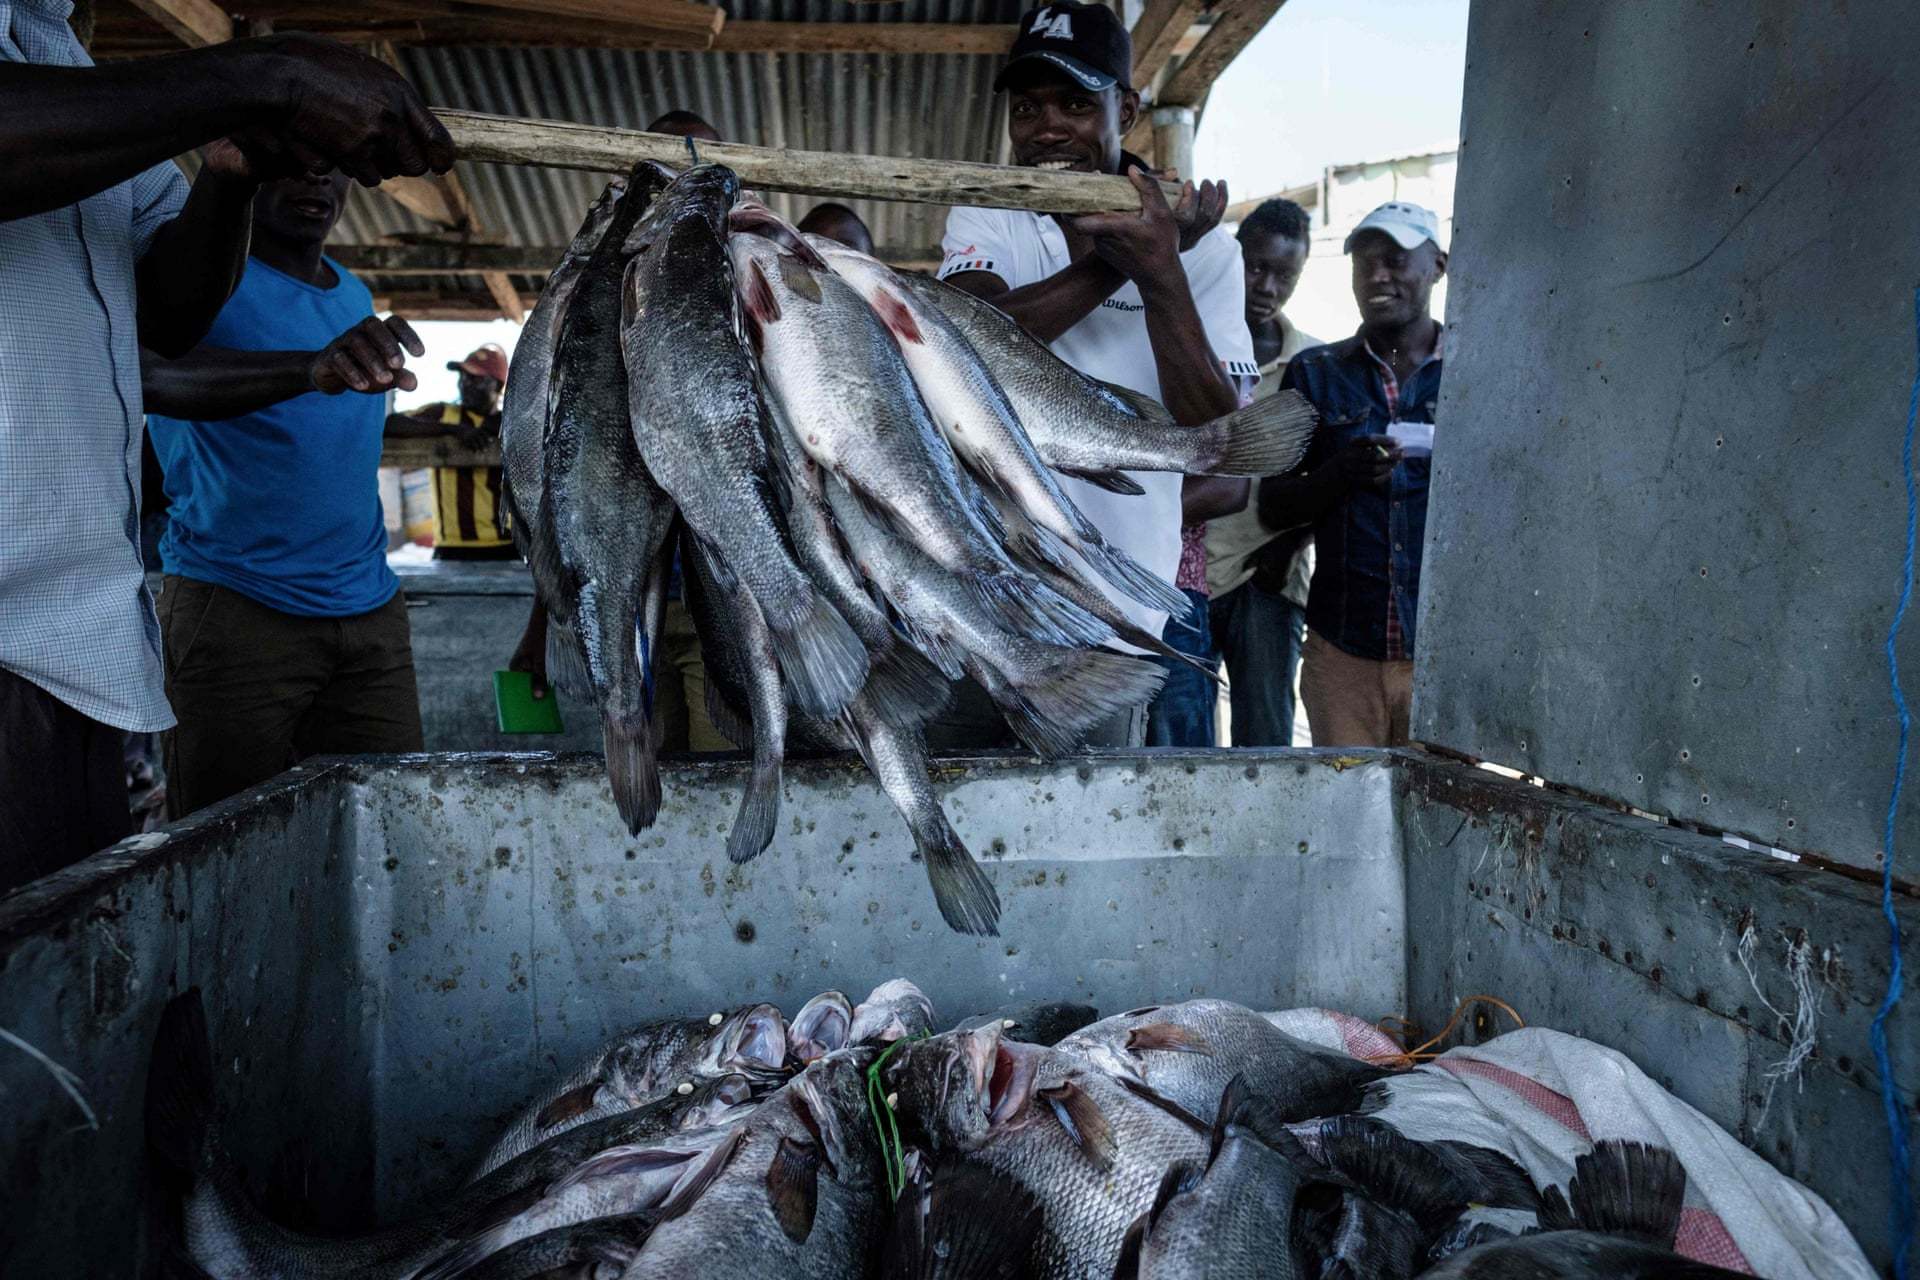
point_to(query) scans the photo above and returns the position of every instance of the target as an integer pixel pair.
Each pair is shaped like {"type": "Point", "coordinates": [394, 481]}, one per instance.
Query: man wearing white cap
{"type": "Point", "coordinates": [1363, 487]}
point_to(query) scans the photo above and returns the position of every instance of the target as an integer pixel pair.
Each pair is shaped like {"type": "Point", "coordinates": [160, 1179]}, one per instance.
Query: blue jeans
{"type": "Point", "coordinates": [1182, 715]}
{"type": "Point", "coordinates": [1259, 633]}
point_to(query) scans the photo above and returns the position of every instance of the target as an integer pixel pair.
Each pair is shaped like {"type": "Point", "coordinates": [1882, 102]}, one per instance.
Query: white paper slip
{"type": "Point", "coordinates": [1415, 438]}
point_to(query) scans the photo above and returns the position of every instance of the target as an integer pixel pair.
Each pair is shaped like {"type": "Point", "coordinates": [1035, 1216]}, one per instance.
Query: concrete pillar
{"type": "Point", "coordinates": [1173, 139]}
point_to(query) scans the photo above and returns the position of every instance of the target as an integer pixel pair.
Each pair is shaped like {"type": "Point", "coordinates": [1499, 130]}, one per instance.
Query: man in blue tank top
{"type": "Point", "coordinates": [285, 631]}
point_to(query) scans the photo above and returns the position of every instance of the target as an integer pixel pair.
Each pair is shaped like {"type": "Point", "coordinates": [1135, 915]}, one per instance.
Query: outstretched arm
{"type": "Point", "coordinates": [211, 384]}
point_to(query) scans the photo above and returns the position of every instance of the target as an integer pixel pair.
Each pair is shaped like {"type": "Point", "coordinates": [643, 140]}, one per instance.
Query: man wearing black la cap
{"type": "Point", "coordinates": [1152, 300]}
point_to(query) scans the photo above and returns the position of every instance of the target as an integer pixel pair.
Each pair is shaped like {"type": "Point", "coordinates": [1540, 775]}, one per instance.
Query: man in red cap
{"type": "Point", "coordinates": [469, 519]}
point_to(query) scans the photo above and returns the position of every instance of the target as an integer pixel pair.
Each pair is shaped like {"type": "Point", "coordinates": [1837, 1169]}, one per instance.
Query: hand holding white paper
{"type": "Point", "coordinates": [1415, 438]}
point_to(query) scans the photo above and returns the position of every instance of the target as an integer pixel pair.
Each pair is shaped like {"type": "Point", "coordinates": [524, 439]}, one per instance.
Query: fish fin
{"type": "Point", "coordinates": [821, 658]}
{"type": "Point", "coordinates": [948, 658]}
{"type": "Point", "coordinates": [1026, 606]}
{"type": "Point", "coordinates": [968, 1223]}
{"type": "Point", "coordinates": [759, 811]}
{"type": "Point", "coordinates": [484, 1221]}
{"type": "Point", "coordinates": [1629, 1189]}
{"type": "Point", "coordinates": [961, 888]}
{"type": "Point", "coordinates": [1232, 1099]}
{"type": "Point", "coordinates": [905, 688]}
{"type": "Point", "coordinates": [1168, 1036]}
{"type": "Point", "coordinates": [570, 1105]}
{"type": "Point", "coordinates": [633, 770]}
{"type": "Point", "coordinates": [758, 305]}
{"type": "Point", "coordinates": [1058, 704]}
{"type": "Point", "coordinates": [1135, 579]}
{"type": "Point", "coordinates": [701, 1175]}
{"type": "Point", "coordinates": [897, 317]}
{"type": "Point", "coordinates": [735, 726]}
{"type": "Point", "coordinates": [798, 276]}
{"type": "Point", "coordinates": [1555, 1214]}
{"type": "Point", "coordinates": [566, 660]}
{"type": "Point", "coordinates": [1042, 736]}
{"type": "Point", "coordinates": [1139, 401]}
{"type": "Point", "coordinates": [1084, 1122]}
{"type": "Point", "coordinates": [1146, 1094]}
{"type": "Point", "coordinates": [793, 1187]}
{"type": "Point", "coordinates": [1392, 1169]}
{"type": "Point", "coordinates": [1267, 438]}
{"type": "Point", "coordinates": [180, 1102]}
{"type": "Point", "coordinates": [1112, 481]}
{"type": "Point", "coordinates": [1180, 1178]}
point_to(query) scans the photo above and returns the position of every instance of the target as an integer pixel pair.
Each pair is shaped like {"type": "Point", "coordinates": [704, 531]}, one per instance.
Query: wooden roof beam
{"type": "Point", "coordinates": [193, 22]}
{"type": "Point", "coordinates": [1235, 24]}
{"type": "Point", "coordinates": [693, 24]}
{"type": "Point", "coordinates": [454, 258]}
{"type": "Point", "coordinates": [1163, 24]}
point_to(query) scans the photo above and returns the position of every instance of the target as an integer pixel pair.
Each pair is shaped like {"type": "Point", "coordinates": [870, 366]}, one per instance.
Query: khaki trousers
{"type": "Point", "coordinates": [257, 690]}
{"type": "Point", "coordinates": [680, 690]}
{"type": "Point", "coordinates": [1354, 702]}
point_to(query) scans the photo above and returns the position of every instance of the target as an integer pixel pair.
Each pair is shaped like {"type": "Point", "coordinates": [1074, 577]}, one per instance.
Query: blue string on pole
{"type": "Point", "coordinates": [1902, 1169]}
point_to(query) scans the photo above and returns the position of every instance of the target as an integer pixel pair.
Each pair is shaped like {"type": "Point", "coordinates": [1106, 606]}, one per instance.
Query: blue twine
{"type": "Point", "coordinates": [1902, 1171]}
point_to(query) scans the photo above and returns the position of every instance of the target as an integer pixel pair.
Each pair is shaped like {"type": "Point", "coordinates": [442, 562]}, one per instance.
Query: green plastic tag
{"type": "Point", "coordinates": [518, 710]}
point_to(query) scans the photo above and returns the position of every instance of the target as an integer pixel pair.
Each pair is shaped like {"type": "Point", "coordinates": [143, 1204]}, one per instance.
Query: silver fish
{"type": "Point", "coordinates": [1050, 694]}
{"type": "Point", "coordinates": [897, 758]}
{"type": "Point", "coordinates": [648, 1062]}
{"type": "Point", "coordinates": [700, 424]}
{"type": "Point", "coordinates": [1189, 1053]}
{"type": "Point", "coordinates": [603, 519]}
{"type": "Point", "coordinates": [894, 1010]}
{"type": "Point", "coordinates": [1090, 1150]}
{"type": "Point", "coordinates": [966, 401]}
{"type": "Point", "coordinates": [803, 1196]}
{"type": "Point", "coordinates": [1090, 428]}
{"type": "Point", "coordinates": [226, 1235]}
{"type": "Point", "coordinates": [843, 389]}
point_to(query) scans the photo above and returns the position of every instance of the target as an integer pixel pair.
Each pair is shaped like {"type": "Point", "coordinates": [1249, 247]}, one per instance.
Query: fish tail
{"type": "Point", "coordinates": [968, 1223]}
{"type": "Point", "coordinates": [961, 889]}
{"type": "Point", "coordinates": [759, 807]}
{"type": "Point", "coordinates": [1629, 1189]}
{"type": "Point", "coordinates": [1134, 578]}
{"type": "Point", "coordinates": [1267, 438]}
{"type": "Point", "coordinates": [633, 769]}
{"type": "Point", "coordinates": [180, 1104]}
{"type": "Point", "coordinates": [1028, 607]}
{"type": "Point", "coordinates": [1052, 709]}
{"type": "Point", "coordinates": [821, 658]}
{"type": "Point", "coordinates": [905, 688]}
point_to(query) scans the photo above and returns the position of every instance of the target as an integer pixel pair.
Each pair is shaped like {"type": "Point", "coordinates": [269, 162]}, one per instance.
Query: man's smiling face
{"type": "Point", "coordinates": [1054, 123]}
{"type": "Point", "coordinates": [1394, 286]}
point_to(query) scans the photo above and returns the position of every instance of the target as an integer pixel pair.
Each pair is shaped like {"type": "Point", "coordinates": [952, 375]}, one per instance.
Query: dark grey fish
{"type": "Point", "coordinates": [652, 1061]}
{"type": "Point", "coordinates": [1227, 1219]}
{"type": "Point", "coordinates": [1087, 1147]}
{"type": "Point", "coordinates": [1047, 1022]}
{"type": "Point", "coordinates": [962, 1222]}
{"type": "Point", "coordinates": [1081, 425]}
{"type": "Point", "coordinates": [600, 1249]}
{"type": "Point", "coordinates": [700, 423]}
{"type": "Point", "coordinates": [226, 1235]}
{"type": "Point", "coordinates": [1189, 1053]}
{"type": "Point", "coordinates": [603, 520]}
{"type": "Point", "coordinates": [742, 659]}
{"type": "Point", "coordinates": [1573, 1255]}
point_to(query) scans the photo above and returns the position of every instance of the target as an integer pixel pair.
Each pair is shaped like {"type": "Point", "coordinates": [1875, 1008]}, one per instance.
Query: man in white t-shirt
{"type": "Point", "coordinates": [1152, 300]}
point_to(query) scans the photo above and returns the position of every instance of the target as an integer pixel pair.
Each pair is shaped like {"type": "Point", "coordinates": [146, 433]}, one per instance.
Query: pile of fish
{"type": "Point", "coordinates": [853, 1142]}
{"type": "Point", "coordinates": [857, 476]}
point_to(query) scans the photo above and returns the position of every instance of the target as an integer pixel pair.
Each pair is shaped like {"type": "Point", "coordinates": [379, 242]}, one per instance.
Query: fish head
{"type": "Point", "coordinates": [894, 1010]}
{"type": "Point", "coordinates": [749, 216]}
{"type": "Point", "coordinates": [752, 1040]}
{"type": "Point", "coordinates": [772, 284]}
{"type": "Point", "coordinates": [829, 1099]}
{"type": "Point", "coordinates": [821, 1026]}
{"type": "Point", "coordinates": [947, 1089]}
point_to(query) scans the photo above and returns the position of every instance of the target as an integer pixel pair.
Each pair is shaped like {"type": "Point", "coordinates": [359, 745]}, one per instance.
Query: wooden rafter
{"type": "Point", "coordinates": [696, 24]}
{"type": "Point", "coordinates": [435, 258]}
{"type": "Point", "coordinates": [192, 22]}
{"type": "Point", "coordinates": [1156, 37]}
{"type": "Point", "coordinates": [1235, 24]}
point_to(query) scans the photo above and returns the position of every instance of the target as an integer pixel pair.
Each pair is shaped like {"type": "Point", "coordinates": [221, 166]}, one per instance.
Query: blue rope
{"type": "Point", "coordinates": [1902, 1172]}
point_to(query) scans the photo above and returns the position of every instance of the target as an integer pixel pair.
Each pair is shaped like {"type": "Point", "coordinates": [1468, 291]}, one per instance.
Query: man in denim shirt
{"type": "Point", "coordinates": [1363, 487]}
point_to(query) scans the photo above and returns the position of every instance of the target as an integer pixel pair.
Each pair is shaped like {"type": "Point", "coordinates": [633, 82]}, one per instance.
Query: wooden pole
{"type": "Point", "coordinates": [558, 144]}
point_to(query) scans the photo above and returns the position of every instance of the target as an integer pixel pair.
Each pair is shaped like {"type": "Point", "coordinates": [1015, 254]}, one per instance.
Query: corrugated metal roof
{"type": "Point", "coordinates": [925, 105]}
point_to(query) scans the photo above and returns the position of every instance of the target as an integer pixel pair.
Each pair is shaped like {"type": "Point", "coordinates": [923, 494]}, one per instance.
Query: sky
{"type": "Point", "coordinates": [1327, 82]}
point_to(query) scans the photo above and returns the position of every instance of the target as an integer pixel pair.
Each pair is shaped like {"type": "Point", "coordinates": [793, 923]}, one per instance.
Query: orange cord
{"type": "Point", "coordinates": [1421, 1052]}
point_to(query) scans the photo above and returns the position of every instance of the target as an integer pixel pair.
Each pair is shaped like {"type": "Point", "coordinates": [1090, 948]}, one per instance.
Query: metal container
{"type": "Point", "coordinates": [395, 951]}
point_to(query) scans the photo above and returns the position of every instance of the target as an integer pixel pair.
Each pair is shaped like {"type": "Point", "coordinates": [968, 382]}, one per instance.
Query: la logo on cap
{"type": "Point", "coordinates": [1059, 26]}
